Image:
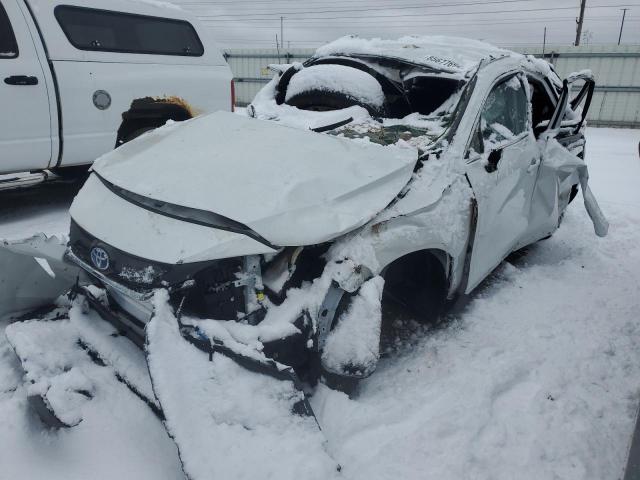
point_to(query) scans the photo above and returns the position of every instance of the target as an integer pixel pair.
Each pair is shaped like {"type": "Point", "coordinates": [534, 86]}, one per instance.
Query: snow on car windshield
{"type": "Point", "coordinates": [375, 100]}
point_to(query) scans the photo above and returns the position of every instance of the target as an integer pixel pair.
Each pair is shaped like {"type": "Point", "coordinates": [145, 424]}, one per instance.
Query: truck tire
{"type": "Point", "coordinates": [136, 133]}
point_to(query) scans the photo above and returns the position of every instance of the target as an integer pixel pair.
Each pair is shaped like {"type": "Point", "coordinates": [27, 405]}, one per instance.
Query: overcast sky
{"type": "Point", "coordinates": [310, 23]}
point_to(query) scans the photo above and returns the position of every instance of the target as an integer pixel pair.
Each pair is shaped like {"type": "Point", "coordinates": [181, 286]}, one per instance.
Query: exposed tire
{"type": "Point", "coordinates": [320, 101]}
{"type": "Point", "coordinates": [334, 87]}
{"type": "Point", "coordinates": [136, 133]}
{"type": "Point", "coordinates": [73, 174]}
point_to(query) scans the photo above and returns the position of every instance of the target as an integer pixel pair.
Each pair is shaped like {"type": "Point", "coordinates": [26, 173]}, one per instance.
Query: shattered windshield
{"type": "Point", "coordinates": [381, 101]}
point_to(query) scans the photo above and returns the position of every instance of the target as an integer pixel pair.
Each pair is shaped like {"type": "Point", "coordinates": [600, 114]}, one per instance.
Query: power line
{"type": "Point", "coordinates": [430, 25]}
{"type": "Point", "coordinates": [313, 3]}
{"type": "Point", "coordinates": [376, 9]}
{"type": "Point", "coordinates": [213, 18]}
{"type": "Point", "coordinates": [624, 14]}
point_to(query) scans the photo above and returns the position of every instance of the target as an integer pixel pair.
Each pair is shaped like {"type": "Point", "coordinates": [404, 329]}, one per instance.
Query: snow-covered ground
{"type": "Point", "coordinates": [538, 377]}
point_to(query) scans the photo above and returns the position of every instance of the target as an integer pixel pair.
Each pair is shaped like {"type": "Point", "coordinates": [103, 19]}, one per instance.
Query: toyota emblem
{"type": "Point", "coordinates": [99, 258]}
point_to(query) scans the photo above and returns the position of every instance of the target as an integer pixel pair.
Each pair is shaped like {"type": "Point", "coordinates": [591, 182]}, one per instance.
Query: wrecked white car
{"type": "Point", "coordinates": [378, 176]}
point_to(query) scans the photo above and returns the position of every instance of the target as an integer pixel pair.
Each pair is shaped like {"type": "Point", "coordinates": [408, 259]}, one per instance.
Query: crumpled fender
{"type": "Point", "coordinates": [352, 347]}
{"type": "Point", "coordinates": [562, 164]}
{"type": "Point", "coordinates": [33, 272]}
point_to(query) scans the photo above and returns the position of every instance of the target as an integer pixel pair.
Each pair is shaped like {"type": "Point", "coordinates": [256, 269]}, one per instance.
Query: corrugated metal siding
{"type": "Point", "coordinates": [616, 100]}
{"type": "Point", "coordinates": [249, 67]}
{"type": "Point", "coordinates": [616, 68]}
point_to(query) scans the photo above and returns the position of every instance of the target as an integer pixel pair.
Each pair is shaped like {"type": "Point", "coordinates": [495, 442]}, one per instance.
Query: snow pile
{"type": "Point", "coordinates": [352, 82]}
{"type": "Point", "coordinates": [118, 437]}
{"type": "Point", "coordinates": [229, 422]}
{"type": "Point", "coordinates": [537, 378]}
{"type": "Point", "coordinates": [352, 347]}
{"type": "Point", "coordinates": [114, 350]}
{"type": "Point", "coordinates": [54, 373]}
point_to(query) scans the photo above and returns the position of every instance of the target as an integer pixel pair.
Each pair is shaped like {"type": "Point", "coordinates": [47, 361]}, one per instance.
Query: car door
{"type": "Point", "coordinates": [25, 123]}
{"type": "Point", "coordinates": [502, 164]}
{"type": "Point", "coordinates": [562, 150]}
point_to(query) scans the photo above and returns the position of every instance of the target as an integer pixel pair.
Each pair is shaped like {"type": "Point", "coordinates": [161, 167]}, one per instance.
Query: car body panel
{"type": "Point", "coordinates": [444, 53]}
{"type": "Point", "coordinates": [33, 273]}
{"type": "Point", "coordinates": [97, 209]}
{"type": "Point", "coordinates": [290, 186]}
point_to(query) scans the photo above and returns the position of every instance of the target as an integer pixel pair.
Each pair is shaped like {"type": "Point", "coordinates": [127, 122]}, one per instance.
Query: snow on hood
{"type": "Point", "coordinates": [292, 187]}
{"type": "Point", "coordinates": [450, 54]}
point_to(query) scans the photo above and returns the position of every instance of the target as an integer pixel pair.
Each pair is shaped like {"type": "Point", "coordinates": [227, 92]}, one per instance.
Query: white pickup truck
{"type": "Point", "coordinates": [80, 77]}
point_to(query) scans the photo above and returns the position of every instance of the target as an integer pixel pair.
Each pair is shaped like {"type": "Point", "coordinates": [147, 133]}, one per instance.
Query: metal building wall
{"type": "Point", "coordinates": [249, 67]}
{"type": "Point", "coordinates": [616, 101]}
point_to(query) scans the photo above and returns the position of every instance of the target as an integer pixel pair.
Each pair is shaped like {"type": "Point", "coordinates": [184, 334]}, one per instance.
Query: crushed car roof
{"type": "Point", "coordinates": [450, 54]}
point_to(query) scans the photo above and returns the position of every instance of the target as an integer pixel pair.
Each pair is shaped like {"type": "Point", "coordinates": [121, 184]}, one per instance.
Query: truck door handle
{"type": "Point", "coordinates": [21, 80]}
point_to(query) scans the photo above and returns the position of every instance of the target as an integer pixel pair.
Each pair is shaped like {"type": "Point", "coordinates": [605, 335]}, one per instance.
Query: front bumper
{"type": "Point", "coordinates": [212, 289]}
{"type": "Point", "coordinates": [134, 303]}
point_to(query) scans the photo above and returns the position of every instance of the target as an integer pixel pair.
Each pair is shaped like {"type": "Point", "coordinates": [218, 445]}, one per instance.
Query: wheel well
{"type": "Point", "coordinates": [153, 113]}
{"type": "Point", "coordinates": [417, 284]}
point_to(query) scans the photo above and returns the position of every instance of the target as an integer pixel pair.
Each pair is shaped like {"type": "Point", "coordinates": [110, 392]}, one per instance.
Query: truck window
{"type": "Point", "coordinates": [8, 45]}
{"type": "Point", "coordinates": [108, 31]}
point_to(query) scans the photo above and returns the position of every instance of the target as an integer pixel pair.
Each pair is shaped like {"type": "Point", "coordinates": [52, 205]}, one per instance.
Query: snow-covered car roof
{"type": "Point", "coordinates": [450, 54]}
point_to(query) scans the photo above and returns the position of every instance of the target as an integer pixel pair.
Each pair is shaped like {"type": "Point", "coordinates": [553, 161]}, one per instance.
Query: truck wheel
{"type": "Point", "coordinates": [136, 133]}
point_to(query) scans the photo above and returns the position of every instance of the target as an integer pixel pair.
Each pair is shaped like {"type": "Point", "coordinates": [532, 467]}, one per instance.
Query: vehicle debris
{"type": "Point", "coordinates": [256, 270]}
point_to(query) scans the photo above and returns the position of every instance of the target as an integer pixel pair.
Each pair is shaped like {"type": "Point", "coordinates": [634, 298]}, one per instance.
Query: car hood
{"type": "Point", "coordinates": [290, 186]}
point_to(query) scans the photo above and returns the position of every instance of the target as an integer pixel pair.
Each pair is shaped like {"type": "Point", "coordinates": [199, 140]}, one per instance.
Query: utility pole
{"type": "Point", "coordinates": [579, 21]}
{"type": "Point", "coordinates": [282, 31]}
{"type": "Point", "coordinates": [624, 14]}
{"type": "Point", "coordinates": [544, 41]}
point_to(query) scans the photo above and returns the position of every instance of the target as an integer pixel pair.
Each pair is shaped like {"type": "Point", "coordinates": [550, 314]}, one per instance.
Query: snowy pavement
{"type": "Point", "coordinates": [539, 376]}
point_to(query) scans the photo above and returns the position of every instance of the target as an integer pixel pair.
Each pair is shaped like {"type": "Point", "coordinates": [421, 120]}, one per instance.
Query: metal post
{"type": "Point", "coordinates": [624, 13]}
{"type": "Point", "coordinates": [579, 21]}
{"type": "Point", "coordinates": [544, 41]}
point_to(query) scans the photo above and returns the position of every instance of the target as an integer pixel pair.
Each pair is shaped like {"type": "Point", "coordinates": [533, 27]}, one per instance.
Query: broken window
{"type": "Point", "coordinates": [8, 45]}
{"type": "Point", "coordinates": [428, 93]}
{"type": "Point", "coordinates": [542, 107]}
{"type": "Point", "coordinates": [104, 30]}
{"type": "Point", "coordinates": [504, 115]}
